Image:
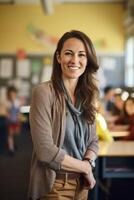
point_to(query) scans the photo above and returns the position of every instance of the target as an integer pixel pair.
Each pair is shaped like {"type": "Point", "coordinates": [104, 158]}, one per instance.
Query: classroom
{"type": "Point", "coordinates": [29, 33]}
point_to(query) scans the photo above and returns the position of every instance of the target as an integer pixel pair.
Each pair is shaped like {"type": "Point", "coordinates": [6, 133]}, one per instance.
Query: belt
{"type": "Point", "coordinates": [67, 175]}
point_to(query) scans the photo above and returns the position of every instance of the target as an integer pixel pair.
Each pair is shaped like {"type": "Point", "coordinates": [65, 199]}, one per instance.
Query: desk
{"type": "Point", "coordinates": [119, 134]}
{"type": "Point", "coordinates": [116, 148]}
{"type": "Point", "coordinates": [115, 161]}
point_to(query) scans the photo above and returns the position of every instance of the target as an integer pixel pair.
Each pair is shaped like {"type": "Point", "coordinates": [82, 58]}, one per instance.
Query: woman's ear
{"type": "Point", "coordinates": [58, 57]}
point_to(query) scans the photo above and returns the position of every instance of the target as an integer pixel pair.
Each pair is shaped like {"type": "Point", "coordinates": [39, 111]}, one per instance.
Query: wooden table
{"type": "Point", "coordinates": [119, 134]}
{"type": "Point", "coordinates": [115, 160]}
{"type": "Point", "coordinates": [116, 148]}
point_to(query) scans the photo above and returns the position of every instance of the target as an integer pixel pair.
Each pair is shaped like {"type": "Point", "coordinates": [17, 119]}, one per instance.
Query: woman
{"type": "Point", "coordinates": [62, 121]}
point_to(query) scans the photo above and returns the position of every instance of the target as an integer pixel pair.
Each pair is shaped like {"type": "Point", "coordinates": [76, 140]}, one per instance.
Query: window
{"type": "Point", "coordinates": [129, 62]}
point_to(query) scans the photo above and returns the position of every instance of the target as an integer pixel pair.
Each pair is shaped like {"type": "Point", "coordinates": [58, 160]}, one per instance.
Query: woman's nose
{"type": "Point", "coordinates": [74, 59]}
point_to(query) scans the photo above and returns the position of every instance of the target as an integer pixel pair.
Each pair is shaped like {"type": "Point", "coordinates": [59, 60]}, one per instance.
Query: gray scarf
{"type": "Point", "coordinates": [79, 134]}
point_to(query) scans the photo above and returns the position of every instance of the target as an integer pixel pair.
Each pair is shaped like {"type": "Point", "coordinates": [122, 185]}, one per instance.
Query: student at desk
{"type": "Point", "coordinates": [128, 117]}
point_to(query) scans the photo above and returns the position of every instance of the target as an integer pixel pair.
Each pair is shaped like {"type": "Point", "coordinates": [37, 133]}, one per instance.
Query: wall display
{"type": "Point", "coordinates": [36, 65]}
{"type": "Point", "coordinates": [23, 68]}
{"type": "Point", "coordinates": [46, 74]}
{"type": "Point", "coordinates": [6, 67]}
{"type": "Point", "coordinates": [24, 73]}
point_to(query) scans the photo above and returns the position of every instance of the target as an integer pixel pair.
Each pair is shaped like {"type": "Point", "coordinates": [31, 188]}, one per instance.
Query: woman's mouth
{"type": "Point", "coordinates": [73, 67]}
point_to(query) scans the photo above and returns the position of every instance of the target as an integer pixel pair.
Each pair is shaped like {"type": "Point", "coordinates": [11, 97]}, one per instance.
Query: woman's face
{"type": "Point", "coordinates": [73, 59]}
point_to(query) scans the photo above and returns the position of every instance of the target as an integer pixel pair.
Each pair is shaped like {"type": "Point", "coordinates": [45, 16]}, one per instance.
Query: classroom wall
{"type": "Point", "coordinates": [102, 22]}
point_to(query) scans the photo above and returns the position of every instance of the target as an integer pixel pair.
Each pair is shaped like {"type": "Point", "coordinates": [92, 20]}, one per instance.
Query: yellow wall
{"type": "Point", "coordinates": [102, 22]}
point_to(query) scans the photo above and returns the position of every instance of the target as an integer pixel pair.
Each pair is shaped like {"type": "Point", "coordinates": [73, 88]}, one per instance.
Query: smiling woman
{"type": "Point", "coordinates": [73, 59]}
{"type": "Point", "coordinates": [62, 122]}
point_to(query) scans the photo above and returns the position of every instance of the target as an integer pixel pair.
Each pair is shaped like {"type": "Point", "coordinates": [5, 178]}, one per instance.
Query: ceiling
{"type": "Point", "coordinates": [48, 5]}
{"type": "Point", "coordinates": [57, 1]}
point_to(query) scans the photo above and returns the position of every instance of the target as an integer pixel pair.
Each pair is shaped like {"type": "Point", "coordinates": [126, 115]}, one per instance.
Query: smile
{"type": "Point", "coordinates": [74, 68]}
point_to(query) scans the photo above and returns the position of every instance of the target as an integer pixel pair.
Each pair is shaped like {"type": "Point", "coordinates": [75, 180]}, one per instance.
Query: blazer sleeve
{"type": "Point", "coordinates": [41, 129]}
{"type": "Point", "coordinates": [93, 139]}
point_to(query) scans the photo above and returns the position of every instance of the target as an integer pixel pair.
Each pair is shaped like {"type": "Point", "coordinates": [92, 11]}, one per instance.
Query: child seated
{"type": "Point", "coordinates": [127, 118]}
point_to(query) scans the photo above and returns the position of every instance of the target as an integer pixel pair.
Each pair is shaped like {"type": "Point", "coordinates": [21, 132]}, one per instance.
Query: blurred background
{"type": "Point", "coordinates": [29, 31]}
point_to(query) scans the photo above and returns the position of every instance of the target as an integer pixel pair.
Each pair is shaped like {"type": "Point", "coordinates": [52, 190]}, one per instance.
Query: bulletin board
{"type": "Point", "coordinates": [24, 74]}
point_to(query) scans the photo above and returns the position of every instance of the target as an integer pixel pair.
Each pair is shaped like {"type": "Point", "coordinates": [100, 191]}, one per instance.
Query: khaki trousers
{"type": "Point", "coordinates": [67, 190]}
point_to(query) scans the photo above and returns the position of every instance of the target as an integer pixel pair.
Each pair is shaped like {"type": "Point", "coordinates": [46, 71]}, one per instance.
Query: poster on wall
{"type": "Point", "coordinates": [23, 68]}
{"type": "Point", "coordinates": [24, 91]}
{"type": "Point", "coordinates": [36, 66]}
{"type": "Point", "coordinates": [6, 68]}
{"type": "Point", "coordinates": [46, 75]}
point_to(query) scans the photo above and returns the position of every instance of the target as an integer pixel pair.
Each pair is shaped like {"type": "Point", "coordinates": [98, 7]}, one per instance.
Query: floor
{"type": "Point", "coordinates": [14, 170]}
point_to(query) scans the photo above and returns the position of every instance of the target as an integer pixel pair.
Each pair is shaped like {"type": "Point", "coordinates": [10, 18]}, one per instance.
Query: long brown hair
{"type": "Point", "coordinates": [86, 86]}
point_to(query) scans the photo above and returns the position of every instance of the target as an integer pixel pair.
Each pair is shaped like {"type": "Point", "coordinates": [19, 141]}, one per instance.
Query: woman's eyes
{"type": "Point", "coordinates": [82, 55]}
{"type": "Point", "coordinates": [79, 55]}
{"type": "Point", "coordinates": [68, 53]}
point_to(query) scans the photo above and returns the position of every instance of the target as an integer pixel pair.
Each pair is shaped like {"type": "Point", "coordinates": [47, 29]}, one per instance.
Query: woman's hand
{"type": "Point", "coordinates": [89, 180]}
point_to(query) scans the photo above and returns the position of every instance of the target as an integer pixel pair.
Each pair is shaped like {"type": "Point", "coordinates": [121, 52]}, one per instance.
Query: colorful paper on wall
{"type": "Point", "coordinates": [36, 66]}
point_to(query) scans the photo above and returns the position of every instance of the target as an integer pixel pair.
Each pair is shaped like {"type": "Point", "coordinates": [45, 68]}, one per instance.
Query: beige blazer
{"type": "Point", "coordinates": [47, 125]}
